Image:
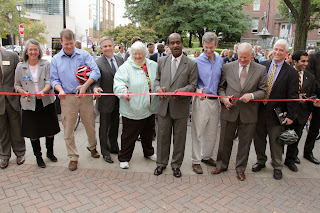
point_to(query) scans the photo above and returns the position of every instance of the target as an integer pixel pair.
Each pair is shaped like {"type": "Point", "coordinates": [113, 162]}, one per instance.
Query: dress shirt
{"type": "Point", "coordinates": [178, 60]}
{"type": "Point", "coordinates": [63, 69]}
{"type": "Point", "coordinates": [114, 62]}
{"type": "Point", "coordinates": [247, 69]}
{"type": "Point", "coordinates": [279, 66]}
{"type": "Point", "coordinates": [162, 54]}
{"type": "Point", "coordinates": [209, 73]}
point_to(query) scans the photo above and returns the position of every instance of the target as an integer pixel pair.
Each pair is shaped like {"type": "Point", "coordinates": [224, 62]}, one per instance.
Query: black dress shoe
{"type": "Point", "coordinates": [52, 157]}
{"type": "Point", "coordinates": [176, 172]}
{"type": "Point", "coordinates": [291, 166]}
{"type": "Point", "coordinates": [4, 163]}
{"type": "Point", "coordinates": [277, 174]}
{"type": "Point", "coordinates": [297, 160]}
{"type": "Point", "coordinates": [108, 159]}
{"type": "Point", "coordinates": [41, 163]}
{"type": "Point", "coordinates": [311, 159]}
{"type": "Point", "coordinates": [257, 167]}
{"type": "Point", "coordinates": [158, 170]}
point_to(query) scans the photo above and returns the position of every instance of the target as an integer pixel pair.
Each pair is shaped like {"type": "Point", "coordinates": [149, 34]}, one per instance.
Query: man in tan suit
{"type": "Point", "coordinates": [10, 120]}
{"type": "Point", "coordinates": [175, 73]}
{"type": "Point", "coordinates": [246, 80]}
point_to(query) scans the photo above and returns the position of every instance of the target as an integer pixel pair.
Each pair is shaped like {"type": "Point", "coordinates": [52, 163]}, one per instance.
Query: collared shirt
{"type": "Point", "coordinates": [160, 55]}
{"type": "Point", "coordinates": [209, 73]}
{"type": "Point", "coordinates": [114, 62]}
{"type": "Point", "coordinates": [279, 66]}
{"type": "Point", "coordinates": [63, 69]}
{"type": "Point", "coordinates": [241, 67]}
{"type": "Point", "coordinates": [178, 60]}
{"type": "Point", "coordinates": [301, 75]}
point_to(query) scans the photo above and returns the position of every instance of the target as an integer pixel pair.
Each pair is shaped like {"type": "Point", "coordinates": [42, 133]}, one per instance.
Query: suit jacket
{"type": "Point", "coordinates": [154, 56]}
{"type": "Point", "coordinates": [7, 83]}
{"type": "Point", "coordinates": [314, 65]}
{"type": "Point", "coordinates": [286, 86]}
{"type": "Point", "coordinates": [185, 80]}
{"type": "Point", "coordinates": [24, 80]}
{"type": "Point", "coordinates": [106, 103]}
{"type": "Point", "coordinates": [256, 83]}
{"type": "Point", "coordinates": [309, 87]}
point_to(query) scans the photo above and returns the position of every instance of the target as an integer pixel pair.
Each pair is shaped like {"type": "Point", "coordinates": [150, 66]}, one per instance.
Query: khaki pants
{"type": "Point", "coordinates": [70, 107]}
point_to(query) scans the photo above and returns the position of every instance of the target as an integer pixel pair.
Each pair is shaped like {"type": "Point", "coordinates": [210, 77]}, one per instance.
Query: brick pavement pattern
{"type": "Point", "coordinates": [27, 188]}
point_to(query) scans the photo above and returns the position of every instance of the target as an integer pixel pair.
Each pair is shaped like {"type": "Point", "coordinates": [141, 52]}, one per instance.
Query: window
{"type": "Point", "coordinates": [95, 18]}
{"type": "Point", "coordinates": [111, 15]}
{"type": "Point", "coordinates": [256, 5]}
{"type": "Point", "coordinates": [101, 16]}
{"type": "Point", "coordinates": [107, 15]}
{"type": "Point", "coordinates": [283, 26]}
{"type": "Point", "coordinates": [255, 25]}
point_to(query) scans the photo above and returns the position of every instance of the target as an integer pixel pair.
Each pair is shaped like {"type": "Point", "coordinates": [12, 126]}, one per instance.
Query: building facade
{"type": "Point", "coordinates": [276, 26]}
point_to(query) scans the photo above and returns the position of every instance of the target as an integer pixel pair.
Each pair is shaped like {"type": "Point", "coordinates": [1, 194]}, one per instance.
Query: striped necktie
{"type": "Point", "coordinates": [270, 82]}
{"type": "Point", "coordinates": [300, 83]}
{"type": "Point", "coordinates": [243, 77]}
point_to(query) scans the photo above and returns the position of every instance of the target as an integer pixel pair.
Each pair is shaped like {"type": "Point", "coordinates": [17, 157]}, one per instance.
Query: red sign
{"type": "Point", "coordinates": [21, 29]}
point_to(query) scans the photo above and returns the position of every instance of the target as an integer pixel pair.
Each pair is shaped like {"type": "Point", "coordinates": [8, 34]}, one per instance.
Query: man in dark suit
{"type": "Point", "coordinates": [10, 120]}
{"type": "Point", "coordinates": [307, 88]}
{"type": "Point", "coordinates": [314, 68]}
{"type": "Point", "coordinates": [175, 73]}
{"type": "Point", "coordinates": [246, 80]}
{"type": "Point", "coordinates": [108, 105]}
{"type": "Point", "coordinates": [161, 52]}
{"type": "Point", "coordinates": [283, 83]}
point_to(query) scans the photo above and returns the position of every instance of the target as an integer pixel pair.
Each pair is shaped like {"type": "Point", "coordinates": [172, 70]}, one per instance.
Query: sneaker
{"type": "Point", "coordinates": [73, 165]}
{"type": "Point", "coordinates": [153, 157]}
{"type": "Point", "coordinates": [124, 165]}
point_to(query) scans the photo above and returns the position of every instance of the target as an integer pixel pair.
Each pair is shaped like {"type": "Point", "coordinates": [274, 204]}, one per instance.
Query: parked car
{"type": "Point", "coordinates": [16, 48]}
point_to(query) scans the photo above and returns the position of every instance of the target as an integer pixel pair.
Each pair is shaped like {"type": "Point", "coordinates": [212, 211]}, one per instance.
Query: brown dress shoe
{"type": "Point", "coordinates": [197, 168]}
{"type": "Point", "coordinates": [20, 160]}
{"type": "Point", "coordinates": [210, 162]}
{"type": "Point", "coordinates": [73, 165]}
{"type": "Point", "coordinates": [4, 163]}
{"type": "Point", "coordinates": [94, 153]}
{"type": "Point", "coordinates": [217, 171]}
{"type": "Point", "coordinates": [241, 176]}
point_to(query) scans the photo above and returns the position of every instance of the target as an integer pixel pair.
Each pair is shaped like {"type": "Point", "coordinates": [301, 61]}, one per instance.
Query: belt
{"type": "Point", "coordinates": [212, 98]}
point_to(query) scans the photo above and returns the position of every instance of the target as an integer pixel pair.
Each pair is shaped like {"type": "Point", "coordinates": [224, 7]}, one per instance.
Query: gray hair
{"type": "Point", "coordinates": [209, 37]}
{"type": "Point", "coordinates": [138, 45]}
{"type": "Point", "coordinates": [283, 42]}
{"type": "Point", "coordinates": [25, 56]}
{"type": "Point", "coordinates": [245, 47]}
{"type": "Point", "coordinates": [106, 38]}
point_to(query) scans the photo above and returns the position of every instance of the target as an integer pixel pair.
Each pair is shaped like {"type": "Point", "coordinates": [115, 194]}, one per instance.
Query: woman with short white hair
{"type": "Point", "coordinates": [136, 75]}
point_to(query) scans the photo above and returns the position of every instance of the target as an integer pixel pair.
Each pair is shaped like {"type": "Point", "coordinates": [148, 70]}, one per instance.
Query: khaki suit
{"type": "Point", "coordinates": [173, 113]}
{"type": "Point", "coordinates": [242, 116]}
{"type": "Point", "coordinates": [10, 119]}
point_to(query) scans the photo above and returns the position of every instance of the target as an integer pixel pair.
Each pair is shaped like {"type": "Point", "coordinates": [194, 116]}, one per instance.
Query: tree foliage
{"type": "Point", "coordinates": [124, 34]}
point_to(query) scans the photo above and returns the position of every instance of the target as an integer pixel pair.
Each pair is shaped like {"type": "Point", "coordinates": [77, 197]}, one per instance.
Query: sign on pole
{"type": "Point", "coordinates": [21, 30]}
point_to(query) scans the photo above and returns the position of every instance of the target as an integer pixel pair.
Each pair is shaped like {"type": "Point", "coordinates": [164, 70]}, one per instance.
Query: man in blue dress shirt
{"type": "Point", "coordinates": [206, 110]}
{"type": "Point", "coordinates": [63, 79]}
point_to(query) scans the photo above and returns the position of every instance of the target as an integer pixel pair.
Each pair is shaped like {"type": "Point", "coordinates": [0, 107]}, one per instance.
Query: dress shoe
{"type": "Point", "coordinates": [311, 159]}
{"type": "Point", "coordinates": [153, 157]}
{"type": "Point", "coordinates": [73, 165]}
{"type": "Point", "coordinates": [20, 159]}
{"type": "Point", "coordinates": [217, 171]}
{"type": "Point", "coordinates": [297, 160]}
{"type": "Point", "coordinates": [94, 153]}
{"type": "Point", "coordinates": [257, 167]}
{"type": "Point", "coordinates": [210, 162]}
{"type": "Point", "coordinates": [176, 172]}
{"type": "Point", "coordinates": [41, 163]}
{"type": "Point", "coordinates": [241, 176]}
{"type": "Point", "coordinates": [4, 163]}
{"type": "Point", "coordinates": [124, 165]}
{"type": "Point", "coordinates": [291, 166]}
{"type": "Point", "coordinates": [52, 157]}
{"type": "Point", "coordinates": [277, 174]}
{"type": "Point", "coordinates": [108, 159]}
{"type": "Point", "coordinates": [197, 168]}
{"type": "Point", "coordinates": [158, 170]}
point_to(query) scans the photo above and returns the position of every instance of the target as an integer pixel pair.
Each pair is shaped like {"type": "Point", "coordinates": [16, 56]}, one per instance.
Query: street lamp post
{"type": "Point", "coordinates": [10, 18]}
{"type": "Point", "coordinates": [87, 37]}
{"type": "Point", "coordinates": [19, 8]}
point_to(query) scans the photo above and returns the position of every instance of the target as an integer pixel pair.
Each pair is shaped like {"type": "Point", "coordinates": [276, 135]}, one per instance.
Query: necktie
{"type": "Point", "coordinates": [270, 82]}
{"type": "Point", "coordinates": [243, 77]}
{"type": "Point", "coordinates": [173, 69]}
{"type": "Point", "coordinates": [113, 67]}
{"type": "Point", "coordinates": [300, 83]}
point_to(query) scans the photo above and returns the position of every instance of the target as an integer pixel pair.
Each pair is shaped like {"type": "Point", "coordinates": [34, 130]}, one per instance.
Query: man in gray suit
{"type": "Point", "coordinates": [108, 105]}
{"type": "Point", "coordinates": [10, 120]}
{"type": "Point", "coordinates": [175, 73]}
{"type": "Point", "coordinates": [246, 80]}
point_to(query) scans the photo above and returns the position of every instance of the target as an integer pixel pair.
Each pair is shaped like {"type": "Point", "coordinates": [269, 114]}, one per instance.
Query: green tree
{"type": "Point", "coordinates": [305, 15]}
{"type": "Point", "coordinates": [124, 34]}
{"type": "Point", "coordinates": [36, 30]}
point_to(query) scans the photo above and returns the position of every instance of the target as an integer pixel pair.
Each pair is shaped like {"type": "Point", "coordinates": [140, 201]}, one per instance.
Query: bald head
{"type": "Point", "coordinates": [244, 54]}
{"type": "Point", "coordinates": [244, 47]}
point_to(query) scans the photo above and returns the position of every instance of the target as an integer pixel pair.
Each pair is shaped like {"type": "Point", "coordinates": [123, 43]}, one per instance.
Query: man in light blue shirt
{"type": "Point", "coordinates": [63, 79]}
{"type": "Point", "coordinates": [206, 110]}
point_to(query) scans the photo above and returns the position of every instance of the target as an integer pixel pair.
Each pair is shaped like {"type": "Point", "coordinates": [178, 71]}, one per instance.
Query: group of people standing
{"type": "Point", "coordinates": [237, 81]}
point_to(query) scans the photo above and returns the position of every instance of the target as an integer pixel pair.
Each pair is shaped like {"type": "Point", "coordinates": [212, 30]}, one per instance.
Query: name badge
{"type": "Point", "coordinates": [6, 63]}
{"type": "Point", "coordinates": [26, 78]}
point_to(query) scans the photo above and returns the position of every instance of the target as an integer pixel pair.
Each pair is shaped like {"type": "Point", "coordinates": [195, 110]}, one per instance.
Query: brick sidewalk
{"type": "Point", "coordinates": [27, 188]}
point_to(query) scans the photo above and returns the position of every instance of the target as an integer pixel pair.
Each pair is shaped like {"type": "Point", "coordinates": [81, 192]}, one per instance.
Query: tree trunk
{"type": "Point", "coordinates": [200, 39]}
{"type": "Point", "coordinates": [190, 40]}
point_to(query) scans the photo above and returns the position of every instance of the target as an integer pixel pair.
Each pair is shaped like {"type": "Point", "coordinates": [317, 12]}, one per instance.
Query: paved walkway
{"type": "Point", "coordinates": [101, 187]}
